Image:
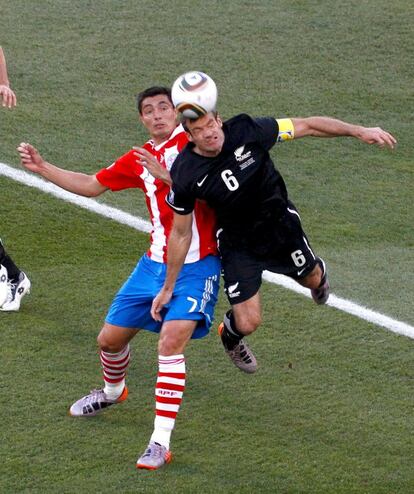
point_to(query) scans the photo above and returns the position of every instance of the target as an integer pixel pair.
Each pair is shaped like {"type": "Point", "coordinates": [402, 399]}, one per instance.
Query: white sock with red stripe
{"type": "Point", "coordinates": [114, 367]}
{"type": "Point", "coordinates": [168, 395]}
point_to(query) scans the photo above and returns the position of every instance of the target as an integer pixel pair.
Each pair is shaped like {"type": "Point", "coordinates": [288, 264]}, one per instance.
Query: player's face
{"type": "Point", "coordinates": [207, 134]}
{"type": "Point", "coordinates": [159, 117]}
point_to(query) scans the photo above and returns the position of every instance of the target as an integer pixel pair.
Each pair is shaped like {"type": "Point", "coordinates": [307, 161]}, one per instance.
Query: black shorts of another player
{"type": "Point", "coordinates": [285, 250]}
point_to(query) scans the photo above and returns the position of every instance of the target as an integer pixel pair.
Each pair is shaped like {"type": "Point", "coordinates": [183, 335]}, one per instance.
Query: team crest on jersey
{"type": "Point", "coordinates": [244, 158]}
{"type": "Point", "coordinates": [240, 155]}
{"type": "Point", "coordinates": [170, 160]}
{"type": "Point", "coordinates": [170, 154]}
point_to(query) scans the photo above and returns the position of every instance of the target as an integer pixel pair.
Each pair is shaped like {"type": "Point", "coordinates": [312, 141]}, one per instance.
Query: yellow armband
{"type": "Point", "coordinates": [286, 129]}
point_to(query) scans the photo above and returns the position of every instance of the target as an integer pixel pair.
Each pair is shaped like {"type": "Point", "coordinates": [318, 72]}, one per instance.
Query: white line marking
{"type": "Point", "coordinates": [84, 202]}
{"type": "Point", "coordinates": [144, 226]}
{"type": "Point", "coordinates": [346, 306]}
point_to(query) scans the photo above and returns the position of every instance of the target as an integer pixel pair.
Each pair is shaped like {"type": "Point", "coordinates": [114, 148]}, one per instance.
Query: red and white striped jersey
{"type": "Point", "coordinates": [126, 173]}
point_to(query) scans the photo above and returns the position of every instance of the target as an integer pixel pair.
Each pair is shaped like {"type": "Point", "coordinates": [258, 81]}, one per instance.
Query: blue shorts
{"type": "Point", "coordinates": [194, 298]}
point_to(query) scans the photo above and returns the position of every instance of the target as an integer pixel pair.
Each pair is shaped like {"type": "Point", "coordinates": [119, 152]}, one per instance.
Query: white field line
{"type": "Point", "coordinates": [144, 226]}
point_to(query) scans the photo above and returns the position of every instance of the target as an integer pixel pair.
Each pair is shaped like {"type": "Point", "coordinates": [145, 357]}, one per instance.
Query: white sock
{"type": "Point", "coordinates": [168, 396]}
{"type": "Point", "coordinates": [114, 367]}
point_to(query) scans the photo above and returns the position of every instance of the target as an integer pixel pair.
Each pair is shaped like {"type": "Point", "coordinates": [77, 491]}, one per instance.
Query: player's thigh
{"type": "Point", "coordinates": [195, 295]}
{"type": "Point", "coordinates": [174, 336]}
{"type": "Point", "coordinates": [114, 338]}
{"type": "Point", "coordinates": [293, 255]}
{"type": "Point", "coordinates": [132, 304]}
{"type": "Point", "coordinates": [242, 272]}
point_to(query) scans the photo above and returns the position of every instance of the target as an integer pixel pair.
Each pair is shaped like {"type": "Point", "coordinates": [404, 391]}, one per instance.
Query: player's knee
{"type": "Point", "coordinates": [108, 344]}
{"type": "Point", "coordinates": [169, 344]}
{"type": "Point", "coordinates": [248, 323]}
{"type": "Point", "coordinates": [314, 278]}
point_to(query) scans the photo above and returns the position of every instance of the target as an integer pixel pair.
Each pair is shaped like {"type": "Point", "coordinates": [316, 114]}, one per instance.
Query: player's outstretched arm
{"type": "Point", "coordinates": [78, 183]}
{"type": "Point", "coordinates": [331, 127]}
{"type": "Point", "coordinates": [178, 244]}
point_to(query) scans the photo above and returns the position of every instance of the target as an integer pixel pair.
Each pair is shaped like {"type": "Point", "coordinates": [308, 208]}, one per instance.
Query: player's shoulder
{"type": "Point", "coordinates": [126, 159]}
{"type": "Point", "coordinates": [240, 119]}
{"type": "Point", "coordinates": [243, 120]}
{"type": "Point", "coordinates": [183, 157]}
{"type": "Point", "coordinates": [186, 165]}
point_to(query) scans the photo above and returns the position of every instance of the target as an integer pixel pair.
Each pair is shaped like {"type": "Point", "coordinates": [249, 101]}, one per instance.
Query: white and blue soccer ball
{"type": "Point", "coordinates": [194, 94]}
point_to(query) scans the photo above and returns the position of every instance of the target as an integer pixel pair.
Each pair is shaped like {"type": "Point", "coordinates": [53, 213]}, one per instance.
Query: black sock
{"type": "Point", "coordinates": [323, 269]}
{"type": "Point", "coordinates": [12, 270]}
{"type": "Point", "coordinates": [230, 335]}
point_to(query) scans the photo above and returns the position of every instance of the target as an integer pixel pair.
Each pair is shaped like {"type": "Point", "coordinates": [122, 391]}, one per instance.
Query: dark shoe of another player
{"type": "Point", "coordinates": [241, 355]}
{"type": "Point", "coordinates": [95, 402]}
{"type": "Point", "coordinates": [17, 291]}
{"type": "Point", "coordinates": [320, 295]}
{"type": "Point", "coordinates": [154, 457]}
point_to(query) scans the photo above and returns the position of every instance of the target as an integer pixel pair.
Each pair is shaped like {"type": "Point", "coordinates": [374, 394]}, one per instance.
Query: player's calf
{"type": "Point", "coordinates": [320, 294]}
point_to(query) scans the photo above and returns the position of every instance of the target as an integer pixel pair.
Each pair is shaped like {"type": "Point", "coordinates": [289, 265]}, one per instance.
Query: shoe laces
{"type": "Point", "coordinates": [240, 349]}
{"type": "Point", "coordinates": [154, 450]}
{"type": "Point", "coordinates": [96, 395]}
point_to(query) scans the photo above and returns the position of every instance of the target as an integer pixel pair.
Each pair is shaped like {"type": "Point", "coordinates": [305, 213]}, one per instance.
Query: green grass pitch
{"type": "Point", "coordinates": [330, 409]}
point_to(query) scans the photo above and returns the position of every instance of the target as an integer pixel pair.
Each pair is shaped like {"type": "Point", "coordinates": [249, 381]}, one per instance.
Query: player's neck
{"type": "Point", "coordinates": [160, 139]}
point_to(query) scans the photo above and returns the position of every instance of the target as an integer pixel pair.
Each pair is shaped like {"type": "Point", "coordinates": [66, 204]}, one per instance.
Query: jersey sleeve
{"type": "Point", "coordinates": [267, 130]}
{"type": "Point", "coordinates": [180, 199]}
{"type": "Point", "coordinates": [124, 173]}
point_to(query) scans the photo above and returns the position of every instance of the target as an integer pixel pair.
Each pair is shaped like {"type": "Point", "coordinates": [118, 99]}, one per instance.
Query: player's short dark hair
{"type": "Point", "coordinates": [152, 91]}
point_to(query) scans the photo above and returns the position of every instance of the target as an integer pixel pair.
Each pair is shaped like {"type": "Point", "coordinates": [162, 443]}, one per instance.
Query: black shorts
{"type": "Point", "coordinates": [284, 250]}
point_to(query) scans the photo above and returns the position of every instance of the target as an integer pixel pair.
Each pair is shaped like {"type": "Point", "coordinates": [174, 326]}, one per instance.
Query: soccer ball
{"type": "Point", "coordinates": [194, 94]}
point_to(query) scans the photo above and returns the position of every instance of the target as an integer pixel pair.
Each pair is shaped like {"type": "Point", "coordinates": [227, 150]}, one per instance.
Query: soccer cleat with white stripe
{"type": "Point", "coordinates": [95, 402]}
{"type": "Point", "coordinates": [154, 457]}
{"type": "Point", "coordinates": [4, 287]}
{"type": "Point", "coordinates": [16, 291]}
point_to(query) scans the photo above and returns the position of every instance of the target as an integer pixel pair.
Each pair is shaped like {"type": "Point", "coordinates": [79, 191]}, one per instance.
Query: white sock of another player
{"type": "Point", "coordinates": [168, 396]}
{"type": "Point", "coordinates": [114, 366]}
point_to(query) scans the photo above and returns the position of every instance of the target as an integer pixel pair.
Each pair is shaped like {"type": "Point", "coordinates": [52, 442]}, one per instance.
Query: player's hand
{"type": "Point", "coordinates": [150, 162]}
{"type": "Point", "coordinates": [7, 95]}
{"type": "Point", "coordinates": [375, 135]}
{"type": "Point", "coordinates": [162, 299]}
{"type": "Point", "coordinates": [30, 157]}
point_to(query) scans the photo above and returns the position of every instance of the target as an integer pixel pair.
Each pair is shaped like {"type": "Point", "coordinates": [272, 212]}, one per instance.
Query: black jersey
{"type": "Point", "coordinates": [241, 183]}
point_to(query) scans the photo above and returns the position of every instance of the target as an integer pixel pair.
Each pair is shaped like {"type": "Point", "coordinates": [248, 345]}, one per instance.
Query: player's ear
{"type": "Point", "coordinates": [189, 136]}
{"type": "Point", "coordinates": [219, 120]}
